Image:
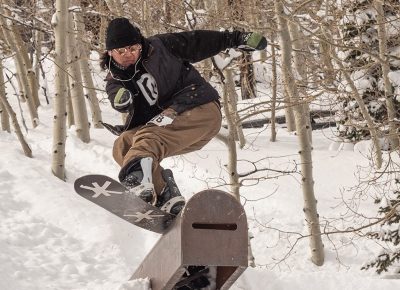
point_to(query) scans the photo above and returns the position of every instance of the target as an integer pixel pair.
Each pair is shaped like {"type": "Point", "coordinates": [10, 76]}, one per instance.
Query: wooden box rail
{"type": "Point", "coordinates": [210, 231]}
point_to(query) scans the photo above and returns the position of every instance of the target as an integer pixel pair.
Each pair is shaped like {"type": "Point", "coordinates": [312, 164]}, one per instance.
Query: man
{"type": "Point", "coordinates": [171, 109]}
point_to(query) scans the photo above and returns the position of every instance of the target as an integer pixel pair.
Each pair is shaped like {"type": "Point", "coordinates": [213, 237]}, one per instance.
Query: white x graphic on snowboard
{"type": "Point", "coordinates": [99, 190]}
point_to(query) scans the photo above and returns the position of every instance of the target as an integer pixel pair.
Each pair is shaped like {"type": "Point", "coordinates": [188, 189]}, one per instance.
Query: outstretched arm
{"type": "Point", "coordinates": [194, 46]}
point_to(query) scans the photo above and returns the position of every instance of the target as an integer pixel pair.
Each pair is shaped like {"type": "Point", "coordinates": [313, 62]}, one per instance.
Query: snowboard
{"type": "Point", "coordinates": [116, 198]}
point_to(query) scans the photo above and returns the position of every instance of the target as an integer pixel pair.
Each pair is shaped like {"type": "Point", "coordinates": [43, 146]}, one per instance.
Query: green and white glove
{"type": "Point", "coordinates": [250, 41]}
{"type": "Point", "coordinates": [123, 100]}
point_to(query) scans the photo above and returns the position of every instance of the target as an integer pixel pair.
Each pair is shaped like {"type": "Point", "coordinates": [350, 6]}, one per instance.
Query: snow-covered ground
{"type": "Point", "coordinates": [51, 238]}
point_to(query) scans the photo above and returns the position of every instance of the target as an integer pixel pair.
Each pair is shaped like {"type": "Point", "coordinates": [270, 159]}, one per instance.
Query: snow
{"type": "Point", "coordinates": [51, 238]}
{"type": "Point", "coordinates": [362, 80]}
{"type": "Point", "coordinates": [394, 77]}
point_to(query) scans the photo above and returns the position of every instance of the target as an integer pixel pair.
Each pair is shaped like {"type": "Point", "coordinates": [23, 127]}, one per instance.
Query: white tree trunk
{"type": "Point", "coordinates": [22, 87]}
{"type": "Point", "coordinates": [310, 203]}
{"type": "Point", "coordinates": [60, 23]}
{"type": "Point", "coordinates": [28, 69]}
{"type": "Point", "coordinates": [7, 109]}
{"type": "Point", "coordinates": [247, 79]}
{"type": "Point", "coordinates": [299, 43]}
{"type": "Point", "coordinates": [103, 26]}
{"type": "Point", "coordinates": [166, 7]}
{"type": "Point", "coordinates": [23, 79]}
{"type": "Point", "coordinates": [75, 85]}
{"type": "Point", "coordinates": [5, 118]}
{"type": "Point", "coordinates": [391, 112]}
{"type": "Point", "coordinates": [328, 69]}
{"type": "Point", "coordinates": [231, 144]}
{"type": "Point", "coordinates": [289, 112]}
{"type": "Point", "coordinates": [231, 105]}
{"type": "Point", "coordinates": [274, 86]}
{"type": "Point", "coordinates": [85, 70]}
{"type": "Point", "coordinates": [25, 147]}
{"type": "Point", "coordinates": [38, 35]}
{"type": "Point", "coordinates": [70, 110]}
{"type": "Point", "coordinates": [145, 17]}
{"type": "Point", "coordinates": [26, 65]}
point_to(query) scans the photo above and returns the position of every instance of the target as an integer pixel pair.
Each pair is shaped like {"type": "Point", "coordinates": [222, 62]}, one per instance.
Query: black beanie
{"type": "Point", "coordinates": [121, 33]}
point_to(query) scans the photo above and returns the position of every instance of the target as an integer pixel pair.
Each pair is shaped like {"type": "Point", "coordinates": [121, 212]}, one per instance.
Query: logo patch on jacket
{"type": "Point", "coordinates": [148, 86]}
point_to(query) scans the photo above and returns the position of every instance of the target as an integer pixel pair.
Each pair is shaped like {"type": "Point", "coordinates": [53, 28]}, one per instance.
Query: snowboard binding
{"type": "Point", "coordinates": [170, 200]}
{"type": "Point", "coordinates": [136, 176]}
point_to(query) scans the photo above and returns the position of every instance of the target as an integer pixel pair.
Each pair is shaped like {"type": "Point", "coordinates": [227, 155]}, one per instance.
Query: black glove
{"type": "Point", "coordinates": [250, 41]}
{"type": "Point", "coordinates": [123, 100]}
{"type": "Point", "coordinates": [116, 130]}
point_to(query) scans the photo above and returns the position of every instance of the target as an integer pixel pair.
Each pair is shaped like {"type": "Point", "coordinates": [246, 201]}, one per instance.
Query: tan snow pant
{"type": "Point", "coordinates": [189, 131]}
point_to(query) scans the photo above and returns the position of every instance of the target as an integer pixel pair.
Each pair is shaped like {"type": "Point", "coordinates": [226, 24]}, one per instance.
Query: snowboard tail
{"type": "Point", "coordinates": [115, 198]}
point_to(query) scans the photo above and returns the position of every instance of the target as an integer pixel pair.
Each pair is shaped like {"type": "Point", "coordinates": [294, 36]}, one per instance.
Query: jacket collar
{"type": "Point", "coordinates": [147, 49]}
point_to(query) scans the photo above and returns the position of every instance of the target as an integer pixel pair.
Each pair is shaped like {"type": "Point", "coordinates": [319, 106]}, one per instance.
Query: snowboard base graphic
{"type": "Point", "coordinates": [114, 197]}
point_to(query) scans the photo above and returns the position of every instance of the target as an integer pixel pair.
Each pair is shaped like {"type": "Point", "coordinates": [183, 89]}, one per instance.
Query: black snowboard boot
{"type": "Point", "coordinates": [170, 200]}
{"type": "Point", "coordinates": [136, 176]}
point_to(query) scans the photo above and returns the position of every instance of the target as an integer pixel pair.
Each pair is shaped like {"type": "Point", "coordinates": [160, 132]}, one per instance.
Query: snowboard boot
{"type": "Point", "coordinates": [170, 199]}
{"type": "Point", "coordinates": [136, 176]}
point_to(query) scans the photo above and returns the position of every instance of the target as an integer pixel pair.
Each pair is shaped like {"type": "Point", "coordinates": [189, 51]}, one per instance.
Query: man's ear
{"type": "Point", "coordinates": [109, 53]}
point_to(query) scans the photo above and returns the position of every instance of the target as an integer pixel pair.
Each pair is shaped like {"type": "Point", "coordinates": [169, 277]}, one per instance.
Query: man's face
{"type": "Point", "coordinates": [127, 55]}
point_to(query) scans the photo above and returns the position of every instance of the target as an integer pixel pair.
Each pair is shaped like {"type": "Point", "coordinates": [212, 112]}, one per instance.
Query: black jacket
{"type": "Point", "coordinates": [166, 78]}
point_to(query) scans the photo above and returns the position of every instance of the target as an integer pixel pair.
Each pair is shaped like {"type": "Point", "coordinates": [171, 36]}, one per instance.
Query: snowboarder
{"type": "Point", "coordinates": [171, 109]}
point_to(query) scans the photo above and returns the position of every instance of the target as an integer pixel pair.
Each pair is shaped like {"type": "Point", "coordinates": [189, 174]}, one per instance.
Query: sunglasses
{"type": "Point", "coordinates": [132, 49]}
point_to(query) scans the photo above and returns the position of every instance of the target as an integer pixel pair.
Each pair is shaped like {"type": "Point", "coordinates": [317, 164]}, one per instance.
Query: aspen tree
{"type": "Point", "coordinates": [38, 38]}
{"type": "Point", "coordinates": [5, 119]}
{"type": "Point", "coordinates": [274, 86]}
{"type": "Point", "coordinates": [70, 110]}
{"type": "Point", "coordinates": [60, 24]}
{"type": "Point", "coordinates": [26, 66]}
{"type": "Point", "coordinates": [76, 87]}
{"type": "Point", "coordinates": [231, 105]}
{"type": "Point", "coordinates": [84, 54]}
{"type": "Point", "coordinates": [38, 47]}
{"type": "Point", "coordinates": [7, 109]}
{"type": "Point", "coordinates": [145, 17]}
{"type": "Point", "coordinates": [300, 65]}
{"type": "Point", "coordinates": [310, 203]}
{"type": "Point", "coordinates": [247, 79]}
{"type": "Point", "coordinates": [25, 147]}
{"type": "Point", "coordinates": [22, 76]}
{"type": "Point", "coordinates": [102, 6]}
{"type": "Point", "coordinates": [388, 90]}
{"type": "Point", "coordinates": [166, 4]}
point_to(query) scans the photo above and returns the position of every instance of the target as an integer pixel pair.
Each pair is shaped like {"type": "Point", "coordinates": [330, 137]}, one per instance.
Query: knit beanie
{"type": "Point", "coordinates": [121, 33]}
